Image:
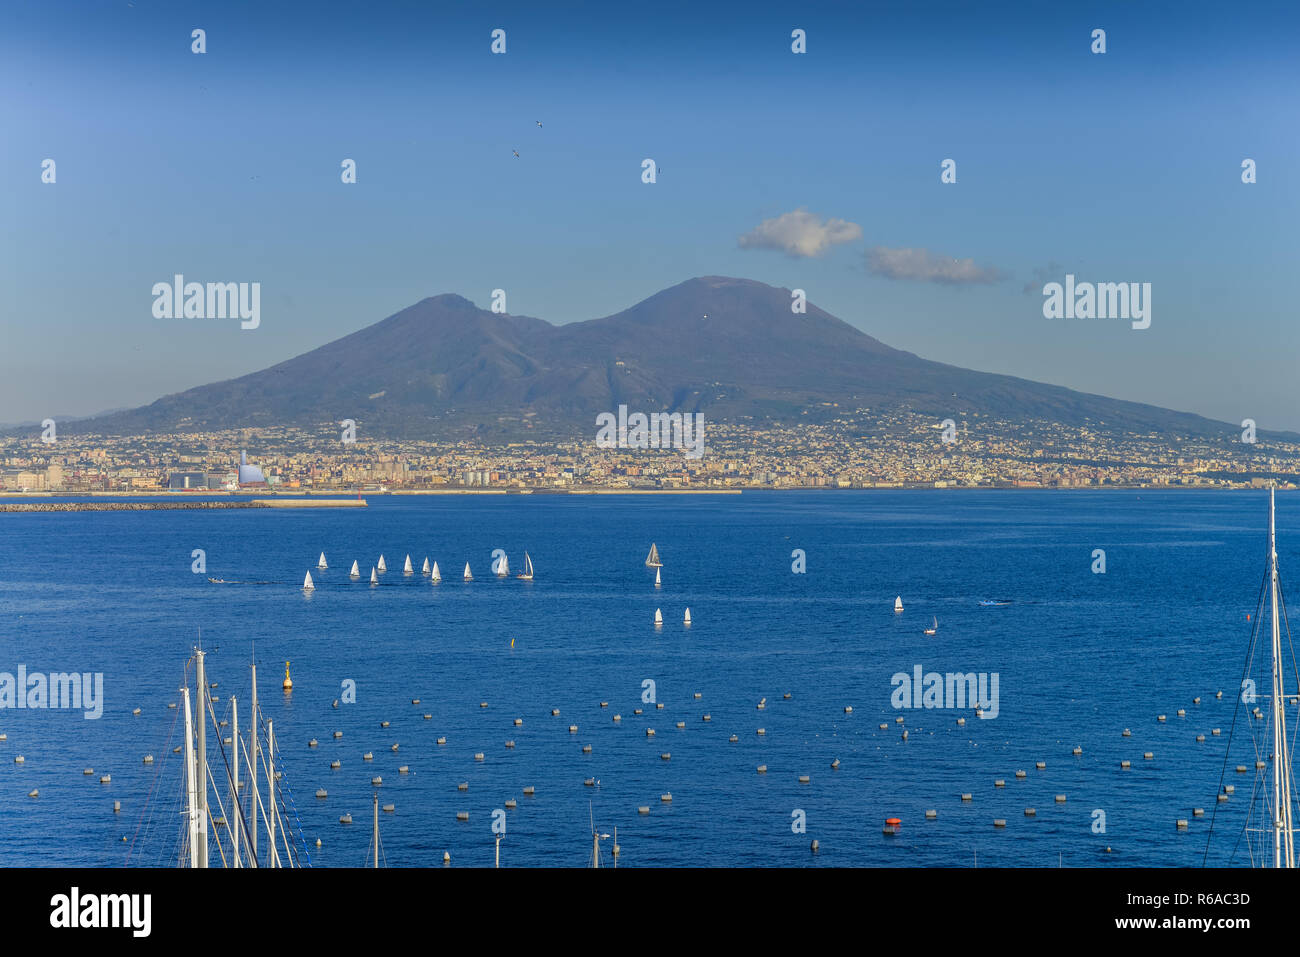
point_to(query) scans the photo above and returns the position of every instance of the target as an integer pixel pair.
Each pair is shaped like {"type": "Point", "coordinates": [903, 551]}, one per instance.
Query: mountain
{"type": "Point", "coordinates": [729, 348]}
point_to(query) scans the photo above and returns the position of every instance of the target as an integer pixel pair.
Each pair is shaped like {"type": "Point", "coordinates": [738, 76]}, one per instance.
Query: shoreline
{"type": "Point", "coordinates": [12, 501]}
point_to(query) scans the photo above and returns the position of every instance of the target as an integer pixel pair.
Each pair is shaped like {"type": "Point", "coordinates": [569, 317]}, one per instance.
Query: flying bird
{"type": "Point", "coordinates": [516, 152]}
{"type": "Point", "coordinates": [539, 122]}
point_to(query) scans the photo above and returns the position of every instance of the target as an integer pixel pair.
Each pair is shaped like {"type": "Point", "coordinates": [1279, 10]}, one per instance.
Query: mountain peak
{"type": "Point", "coordinates": [727, 347]}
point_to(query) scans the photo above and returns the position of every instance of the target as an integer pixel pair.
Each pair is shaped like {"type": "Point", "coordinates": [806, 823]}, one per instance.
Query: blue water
{"type": "Point", "coordinates": [1080, 656]}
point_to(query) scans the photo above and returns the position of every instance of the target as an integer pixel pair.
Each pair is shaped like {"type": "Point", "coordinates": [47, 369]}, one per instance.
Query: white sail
{"type": "Point", "coordinates": [425, 570]}
{"type": "Point", "coordinates": [407, 569]}
{"type": "Point", "coordinates": [898, 603]}
{"type": "Point", "coordinates": [687, 619]}
{"type": "Point", "coordinates": [374, 579]}
{"type": "Point", "coordinates": [468, 576]}
{"type": "Point", "coordinates": [527, 574]}
{"type": "Point", "coordinates": [503, 566]}
{"type": "Point", "coordinates": [356, 572]}
{"type": "Point", "coordinates": [652, 560]}
{"type": "Point", "coordinates": [435, 574]}
{"type": "Point", "coordinates": [381, 566]}
{"type": "Point", "coordinates": [659, 617]}
{"type": "Point", "coordinates": [307, 583]}
{"type": "Point", "coordinates": [322, 563]}
{"type": "Point", "coordinates": [658, 583]}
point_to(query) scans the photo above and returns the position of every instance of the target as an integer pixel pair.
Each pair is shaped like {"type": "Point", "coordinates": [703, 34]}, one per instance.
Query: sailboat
{"type": "Point", "coordinates": [658, 583]}
{"type": "Point", "coordinates": [659, 618]}
{"type": "Point", "coordinates": [1270, 834]}
{"type": "Point", "coordinates": [232, 793]}
{"type": "Point", "coordinates": [308, 584]}
{"type": "Point", "coordinates": [381, 566]}
{"type": "Point", "coordinates": [374, 579]}
{"type": "Point", "coordinates": [527, 573]}
{"type": "Point", "coordinates": [503, 566]}
{"type": "Point", "coordinates": [425, 569]}
{"type": "Point", "coordinates": [687, 620]}
{"type": "Point", "coordinates": [933, 628]}
{"type": "Point", "coordinates": [322, 565]}
{"type": "Point", "coordinates": [406, 568]}
{"type": "Point", "coordinates": [435, 576]}
{"type": "Point", "coordinates": [898, 604]}
{"type": "Point", "coordinates": [356, 572]}
{"type": "Point", "coordinates": [652, 560]}
{"type": "Point", "coordinates": [468, 576]}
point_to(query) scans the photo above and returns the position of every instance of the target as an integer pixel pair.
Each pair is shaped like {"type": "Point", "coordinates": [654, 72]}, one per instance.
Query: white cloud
{"type": "Point", "coordinates": [924, 266]}
{"type": "Point", "coordinates": [800, 234]}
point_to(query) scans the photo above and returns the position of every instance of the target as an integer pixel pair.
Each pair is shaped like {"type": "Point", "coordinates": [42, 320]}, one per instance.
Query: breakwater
{"type": "Point", "coordinates": [156, 506]}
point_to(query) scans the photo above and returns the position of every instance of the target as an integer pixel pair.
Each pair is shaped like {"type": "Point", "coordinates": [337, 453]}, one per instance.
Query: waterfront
{"type": "Point", "coordinates": [1080, 656]}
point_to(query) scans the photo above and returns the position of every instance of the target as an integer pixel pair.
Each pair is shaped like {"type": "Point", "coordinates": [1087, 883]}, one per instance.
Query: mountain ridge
{"type": "Point", "coordinates": [726, 347]}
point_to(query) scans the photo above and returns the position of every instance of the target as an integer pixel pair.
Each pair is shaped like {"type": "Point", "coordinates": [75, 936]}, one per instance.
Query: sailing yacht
{"type": "Point", "coordinates": [425, 569]}
{"type": "Point", "coordinates": [503, 566]}
{"type": "Point", "coordinates": [322, 564]}
{"type": "Point", "coordinates": [898, 604]}
{"type": "Point", "coordinates": [406, 568]}
{"type": "Point", "coordinates": [356, 572]}
{"type": "Point", "coordinates": [527, 573]}
{"type": "Point", "coordinates": [652, 560]}
{"type": "Point", "coordinates": [933, 628]}
{"type": "Point", "coordinates": [435, 576]}
{"type": "Point", "coordinates": [658, 582]}
{"type": "Point", "coordinates": [659, 618]}
{"type": "Point", "coordinates": [374, 579]}
{"type": "Point", "coordinates": [1270, 834]}
{"type": "Point", "coordinates": [468, 576]}
{"type": "Point", "coordinates": [308, 584]}
{"type": "Point", "coordinates": [687, 620]}
{"type": "Point", "coordinates": [382, 567]}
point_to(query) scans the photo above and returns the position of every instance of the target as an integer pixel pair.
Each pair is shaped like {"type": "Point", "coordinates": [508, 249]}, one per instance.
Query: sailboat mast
{"type": "Point", "coordinates": [235, 814]}
{"type": "Point", "coordinates": [190, 797]}
{"type": "Point", "coordinates": [273, 854]}
{"type": "Point", "coordinates": [201, 716]}
{"type": "Point", "coordinates": [1283, 839]}
{"type": "Point", "coordinates": [255, 810]}
{"type": "Point", "coordinates": [376, 830]}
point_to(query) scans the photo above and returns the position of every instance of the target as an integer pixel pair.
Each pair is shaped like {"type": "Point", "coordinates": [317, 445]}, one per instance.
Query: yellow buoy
{"type": "Point", "coordinates": [288, 682]}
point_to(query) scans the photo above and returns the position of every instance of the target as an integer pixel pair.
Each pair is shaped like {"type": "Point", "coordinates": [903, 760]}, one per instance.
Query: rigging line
{"type": "Point", "coordinates": [216, 831]}
{"type": "Point", "coordinates": [221, 747]}
{"type": "Point", "coordinates": [1227, 751]}
{"type": "Point", "coordinates": [148, 797]}
{"type": "Point", "coordinates": [276, 755]}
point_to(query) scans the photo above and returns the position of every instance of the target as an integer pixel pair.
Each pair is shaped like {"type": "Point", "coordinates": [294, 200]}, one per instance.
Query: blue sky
{"type": "Point", "coordinates": [225, 167]}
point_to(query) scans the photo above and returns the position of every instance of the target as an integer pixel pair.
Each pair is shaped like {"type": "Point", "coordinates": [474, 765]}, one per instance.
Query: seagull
{"type": "Point", "coordinates": [516, 152]}
{"type": "Point", "coordinates": [539, 122]}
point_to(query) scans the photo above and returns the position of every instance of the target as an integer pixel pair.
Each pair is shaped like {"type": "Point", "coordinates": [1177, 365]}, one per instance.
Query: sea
{"type": "Point", "coordinates": [1119, 607]}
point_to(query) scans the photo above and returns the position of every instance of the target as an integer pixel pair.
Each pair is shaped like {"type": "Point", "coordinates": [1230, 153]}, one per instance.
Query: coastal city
{"type": "Point", "coordinates": [866, 449]}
